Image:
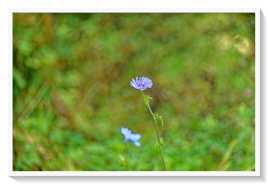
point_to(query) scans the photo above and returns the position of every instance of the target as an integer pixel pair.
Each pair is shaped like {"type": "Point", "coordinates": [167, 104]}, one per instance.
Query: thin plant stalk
{"type": "Point", "coordinates": [126, 164]}
{"type": "Point", "coordinates": [156, 130]}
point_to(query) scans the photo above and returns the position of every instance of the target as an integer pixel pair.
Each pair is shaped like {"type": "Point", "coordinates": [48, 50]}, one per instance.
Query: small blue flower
{"type": "Point", "coordinates": [141, 83]}
{"type": "Point", "coordinates": [131, 137]}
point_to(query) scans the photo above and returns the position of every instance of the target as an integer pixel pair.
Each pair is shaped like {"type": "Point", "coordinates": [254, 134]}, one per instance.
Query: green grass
{"type": "Point", "coordinates": [71, 91]}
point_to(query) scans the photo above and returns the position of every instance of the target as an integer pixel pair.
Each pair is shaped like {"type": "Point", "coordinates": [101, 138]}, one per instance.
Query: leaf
{"type": "Point", "coordinates": [159, 119]}
{"type": "Point", "coordinates": [147, 99]}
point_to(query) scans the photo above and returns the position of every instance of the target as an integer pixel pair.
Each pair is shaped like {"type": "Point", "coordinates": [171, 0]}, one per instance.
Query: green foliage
{"type": "Point", "coordinates": [71, 91]}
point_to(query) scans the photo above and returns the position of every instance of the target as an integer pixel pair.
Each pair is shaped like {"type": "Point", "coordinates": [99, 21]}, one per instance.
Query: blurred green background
{"type": "Point", "coordinates": [71, 92]}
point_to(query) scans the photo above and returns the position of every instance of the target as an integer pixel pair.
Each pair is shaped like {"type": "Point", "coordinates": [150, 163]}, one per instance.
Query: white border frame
{"type": "Point", "coordinates": [257, 171]}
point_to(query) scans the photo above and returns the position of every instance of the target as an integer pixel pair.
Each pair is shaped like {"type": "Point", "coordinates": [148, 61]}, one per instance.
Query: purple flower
{"type": "Point", "coordinates": [141, 83]}
{"type": "Point", "coordinates": [131, 137]}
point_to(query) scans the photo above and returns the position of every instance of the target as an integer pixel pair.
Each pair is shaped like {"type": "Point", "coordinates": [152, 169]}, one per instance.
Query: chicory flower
{"type": "Point", "coordinates": [141, 83]}
{"type": "Point", "coordinates": [130, 136]}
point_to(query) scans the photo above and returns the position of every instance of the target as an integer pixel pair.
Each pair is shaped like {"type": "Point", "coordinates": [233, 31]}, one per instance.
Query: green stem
{"type": "Point", "coordinates": [126, 153]}
{"type": "Point", "coordinates": [157, 133]}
